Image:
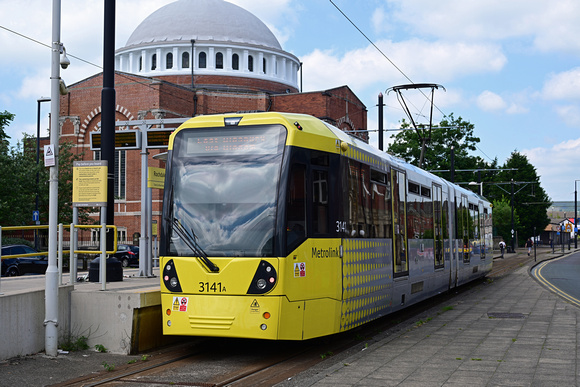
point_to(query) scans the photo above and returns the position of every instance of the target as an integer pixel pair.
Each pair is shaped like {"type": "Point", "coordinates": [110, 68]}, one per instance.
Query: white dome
{"type": "Point", "coordinates": [206, 37]}
{"type": "Point", "coordinates": [203, 20]}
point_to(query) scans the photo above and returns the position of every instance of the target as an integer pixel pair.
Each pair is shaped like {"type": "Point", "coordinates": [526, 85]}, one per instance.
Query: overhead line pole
{"type": "Point", "coordinates": [108, 114]}
{"type": "Point", "coordinates": [51, 276]}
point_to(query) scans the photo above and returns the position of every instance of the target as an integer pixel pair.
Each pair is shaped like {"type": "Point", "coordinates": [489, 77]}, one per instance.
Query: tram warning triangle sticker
{"type": "Point", "coordinates": [255, 304]}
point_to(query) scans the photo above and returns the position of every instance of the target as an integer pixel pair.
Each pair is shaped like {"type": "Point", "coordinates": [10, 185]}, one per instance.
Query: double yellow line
{"type": "Point", "coordinates": [537, 273]}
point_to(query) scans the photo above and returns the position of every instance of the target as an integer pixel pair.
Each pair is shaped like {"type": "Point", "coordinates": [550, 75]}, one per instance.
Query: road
{"type": "Point", "coordinates": [562, 276]}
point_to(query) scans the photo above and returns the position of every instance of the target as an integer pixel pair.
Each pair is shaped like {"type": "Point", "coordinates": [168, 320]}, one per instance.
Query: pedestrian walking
{"type": "Point", "coordinates": [501, 247]}
{"type": "Point", "coordinates": [529, 245]}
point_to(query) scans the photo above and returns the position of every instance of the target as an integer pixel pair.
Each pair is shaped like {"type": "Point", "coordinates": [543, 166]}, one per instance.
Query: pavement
{"type": "Point", "coordinates": [507, 331]}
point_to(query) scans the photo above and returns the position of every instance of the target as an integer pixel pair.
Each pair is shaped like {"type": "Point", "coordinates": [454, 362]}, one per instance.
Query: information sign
{"type": "Point", "coordinates": [90, 183]}
{"type": "Point", "coordinates": [124, 140]}
{"type": "Point", "coordinates": [156, 177]}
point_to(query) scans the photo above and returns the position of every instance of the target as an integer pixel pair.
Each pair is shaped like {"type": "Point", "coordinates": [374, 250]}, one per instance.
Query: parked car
{"type": "Point", "coordinates": [128, 255]}
{"type": "Point", "coordinates": [12, 267]}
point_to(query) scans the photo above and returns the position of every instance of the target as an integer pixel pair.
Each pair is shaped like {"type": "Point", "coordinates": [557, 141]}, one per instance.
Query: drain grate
{"type": "Point", "coordinates": [506, 315]}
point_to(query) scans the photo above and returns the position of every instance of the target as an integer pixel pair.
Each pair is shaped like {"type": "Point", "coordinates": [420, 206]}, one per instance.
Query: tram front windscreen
{"type": "Point", "coordinates": [223, 191]}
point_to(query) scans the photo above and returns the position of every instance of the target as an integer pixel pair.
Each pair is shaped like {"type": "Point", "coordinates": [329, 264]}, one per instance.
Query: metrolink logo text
{"type": "Point", "coordinates": [325, 253]}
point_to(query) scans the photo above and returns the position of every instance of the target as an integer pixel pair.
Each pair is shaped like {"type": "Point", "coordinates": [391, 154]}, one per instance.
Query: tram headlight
{"type": "Point", "coordinates": [264, 279]}
{"type": "Point", "coordinates": [263, 327]}
{"type": "Point", "coordinates": [170, 277]}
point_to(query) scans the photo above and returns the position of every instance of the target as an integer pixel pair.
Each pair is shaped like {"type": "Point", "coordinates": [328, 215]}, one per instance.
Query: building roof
{"type": "Point", "coordinates": [203, 20]}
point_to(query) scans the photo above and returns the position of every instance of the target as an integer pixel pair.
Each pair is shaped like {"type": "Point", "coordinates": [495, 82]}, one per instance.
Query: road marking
{"type": "Point", "coordinates": [537, 273]}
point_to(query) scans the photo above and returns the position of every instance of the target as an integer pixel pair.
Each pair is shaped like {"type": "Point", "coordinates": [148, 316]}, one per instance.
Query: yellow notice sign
{"type": "Point", "coordinates": [89, 183]}
{"type": "Point", "coordinates": [155, 177]}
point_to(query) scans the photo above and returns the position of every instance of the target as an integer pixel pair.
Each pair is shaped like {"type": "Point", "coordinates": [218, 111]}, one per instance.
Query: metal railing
{"type": "Point", "coordinates": [73, 249]}
{"type": "Point", "coordinates": [103, 251]}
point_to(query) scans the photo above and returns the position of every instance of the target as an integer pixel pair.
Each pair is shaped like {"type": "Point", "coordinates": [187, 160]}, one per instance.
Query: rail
{"type": "Point", "coordinates": [37, 227]}
{"type": "Point", "coordinates": [103, 251]}
{"type": "Point", "coordinates": [73, 250]}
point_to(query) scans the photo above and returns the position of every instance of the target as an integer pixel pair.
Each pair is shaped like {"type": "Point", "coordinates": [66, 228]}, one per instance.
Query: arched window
{"type": "Point", "coordinates": [169, 61]}
{"type": "Point", "coordinates": [264, 65]}
{"type": "Point", "coordinates": [251, 63]}
{"type": "Point", "coordinates": [236, 62]}
{"type": "Point", "coordinates": [219, 60]}
{"type": "Point", "coordinates": [202, 60]}
{"type": "Point", "coordinates": [185, 60]}
{"type": "Point", "coordinates": [154, 62]}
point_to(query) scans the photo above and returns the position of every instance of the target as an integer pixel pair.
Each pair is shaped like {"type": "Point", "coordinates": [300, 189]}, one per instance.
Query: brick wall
{"type": "Point", "coordinates": [141, 97]}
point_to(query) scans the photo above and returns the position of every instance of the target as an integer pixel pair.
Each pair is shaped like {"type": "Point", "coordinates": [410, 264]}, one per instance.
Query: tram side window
{"type": "Point", "coordinates": [438, 225]}
{"type": "Point", "coordinates": [474, 209]}
{"type": "Point", "coordinates": [320, 201]}
{"type": "Point", "coordinates": [296, 208]}
{"type": "Point", "coordinates": [463, 221]}
{"type": "Point", "coordinates": [366, 198]}
{"type": "Point", "coordinates": [413, 210]}
{"type": "Point", "coordinates": [382, 221]}
{"type": "Point", "coordinates": [482, 214]}
{"type": "Point", "coordinates": [413, 216]}
{"type": "Point", "coordinates": [354, 209]}
{"type": "Point", "coordinates": [400, 264]}
{"type": "Point", "coordinates": [427, 214]}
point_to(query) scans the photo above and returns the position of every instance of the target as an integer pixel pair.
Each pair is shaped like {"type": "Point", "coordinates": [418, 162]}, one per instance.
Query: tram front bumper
{"type": "Point", "coordinates": [221, 316]}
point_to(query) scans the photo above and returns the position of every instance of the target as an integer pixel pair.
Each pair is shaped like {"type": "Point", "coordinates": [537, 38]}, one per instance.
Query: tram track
{"type": "Point", "coordinates": [211, 362]}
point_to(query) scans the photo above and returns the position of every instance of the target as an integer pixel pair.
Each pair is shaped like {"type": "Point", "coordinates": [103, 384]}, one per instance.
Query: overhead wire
{"type": "Point", "coordinates": [394, 65]}
{"type": "Point", "coordinates": [117, 73]}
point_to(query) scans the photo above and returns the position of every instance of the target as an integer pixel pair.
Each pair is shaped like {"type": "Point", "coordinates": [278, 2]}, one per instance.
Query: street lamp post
{"type": "Point", "coordinates": [40, 100]}
{"type": "Point", "coordinates": [575, 214]}
{"type": "Point", "coordinates": [512, 205]}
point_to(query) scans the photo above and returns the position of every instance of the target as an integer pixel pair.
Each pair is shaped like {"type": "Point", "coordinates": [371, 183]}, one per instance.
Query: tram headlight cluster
{"type": "Point", "coordinates": [170, 278]}
{"type": "Point", "coordinates": [264, 279]}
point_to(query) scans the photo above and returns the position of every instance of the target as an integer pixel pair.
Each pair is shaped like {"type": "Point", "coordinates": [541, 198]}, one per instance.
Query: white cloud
{"type": "Point", "coordinates": [551, 26]}
{"type": "Point", "coordinates": [556, 167]}
{"type": "Point", "coordinates": [362, 67]}
{"type": "Point", "coordinates": [563, 85]}
{"type": "Point", "coordinates": [489, 102]}
{"type": "Point", "coordinates": [379, 19]}
{"type": "Point", "coordinates": [35, 86]}
{"type": "Point", "coordinates": [514, 108]}
{"type": "Point", "coordinates": [570, 114]}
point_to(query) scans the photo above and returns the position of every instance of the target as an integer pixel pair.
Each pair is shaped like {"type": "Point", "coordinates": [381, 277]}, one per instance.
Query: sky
{"type": "Point", "coordinates": [511, 68]}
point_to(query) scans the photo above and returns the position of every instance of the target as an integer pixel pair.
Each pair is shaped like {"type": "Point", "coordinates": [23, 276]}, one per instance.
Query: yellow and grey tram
{"type": "Point", "coordinates": [280, 226]}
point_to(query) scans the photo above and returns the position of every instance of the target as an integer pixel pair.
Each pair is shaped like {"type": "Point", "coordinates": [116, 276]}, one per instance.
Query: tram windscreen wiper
{"type": "Point", "coordinates": [190, 239]}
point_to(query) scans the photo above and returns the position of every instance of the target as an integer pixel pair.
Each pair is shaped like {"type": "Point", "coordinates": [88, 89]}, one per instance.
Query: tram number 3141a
{"type": "Point", "coordinates": [214, 287]}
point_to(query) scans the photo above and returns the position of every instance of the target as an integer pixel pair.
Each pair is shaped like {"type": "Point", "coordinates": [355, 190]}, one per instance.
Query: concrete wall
{"type": "Point", "coordinates": [124, 322]}
{"type": "Point", "coordinates": [22, 315]}
{"type": "Point", "coordinates": [107, 318]}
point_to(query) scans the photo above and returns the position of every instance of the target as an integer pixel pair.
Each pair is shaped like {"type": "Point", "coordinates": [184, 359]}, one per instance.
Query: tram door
{"type": "Point", "coordinates": [400, 256]}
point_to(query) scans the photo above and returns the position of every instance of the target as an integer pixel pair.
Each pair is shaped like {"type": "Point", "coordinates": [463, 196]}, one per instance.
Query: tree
{"type": "Point", "coordinates": [502, 219]}
{"type": "Point", "coordinates": [451, 132]}
{"type": "Point", "coordinates": [530, 200]}
{"type": "Point", "coordinates": [66, 159]}
{"type": "Point", "coordinates": [12, 183]}
{"type": "Point", "coordinates": [18, 186]}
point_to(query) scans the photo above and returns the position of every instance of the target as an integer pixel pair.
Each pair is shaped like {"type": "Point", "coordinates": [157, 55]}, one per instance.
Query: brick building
{"type": "Point", "coordinates": [219, 58]}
